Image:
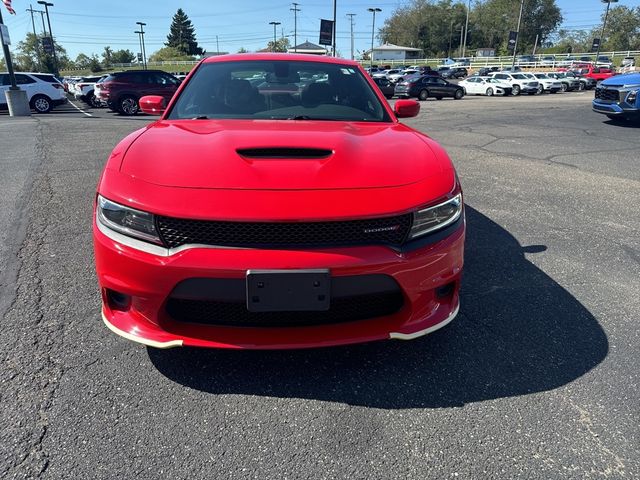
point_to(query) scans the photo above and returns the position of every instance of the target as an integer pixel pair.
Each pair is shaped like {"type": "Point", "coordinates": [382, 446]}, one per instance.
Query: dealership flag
{"type": "Point", "coordinates": [7, 3]}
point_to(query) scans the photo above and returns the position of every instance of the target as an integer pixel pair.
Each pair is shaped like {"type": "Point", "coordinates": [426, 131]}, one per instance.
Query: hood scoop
{"type": "Point", "coordinates": [284, 153]}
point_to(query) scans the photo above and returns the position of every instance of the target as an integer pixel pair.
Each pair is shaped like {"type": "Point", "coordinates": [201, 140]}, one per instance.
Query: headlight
{"type": "Point", "coordinates": [128, 221]}
{"type": "Point", "coordinates": [632, 97]}
{"type": "Point", "coordinates": [433, 218]}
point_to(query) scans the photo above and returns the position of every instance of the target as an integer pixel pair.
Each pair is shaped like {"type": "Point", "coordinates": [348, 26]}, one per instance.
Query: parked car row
{"type": "Point", "coordinates": [84, 89]}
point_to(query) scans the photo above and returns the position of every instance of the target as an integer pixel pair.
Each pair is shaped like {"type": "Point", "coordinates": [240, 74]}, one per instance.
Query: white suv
{"type": "Point", "coordinates": [44, 91]}
{"type": "Point", "coordinates": [519, 82]}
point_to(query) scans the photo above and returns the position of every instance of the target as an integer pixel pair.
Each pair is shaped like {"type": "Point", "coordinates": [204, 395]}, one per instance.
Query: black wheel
{"type": "Point", "coordinates": [458, 95]}
{"type": "Point", "coordinates": [582, 86]}
{"type": "Point", "coordinates": [128, 105]}
{"type": "Point", "coordinates": [516, 90]}
{"type": "Point", "coordinates": [489, 92]}
{"type": "Point", "coordinates": [564, 87]}
{"type": "Point", "coordinates": [41, 104]}
{"type": "Point", "coordinates": [92, 101]}
{"type": "Point", "coordinates": [540, 90]}
{"type": "Point", "coordinates": [423, 95]}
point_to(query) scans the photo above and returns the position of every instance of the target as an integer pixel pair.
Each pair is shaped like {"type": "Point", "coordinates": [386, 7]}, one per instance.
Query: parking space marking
{"type": "Point", "coordinates": [80, 110]}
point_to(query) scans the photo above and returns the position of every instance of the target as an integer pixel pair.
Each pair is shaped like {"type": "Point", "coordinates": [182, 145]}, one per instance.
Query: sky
{"type": "Point", "coordinates": [88, 26]}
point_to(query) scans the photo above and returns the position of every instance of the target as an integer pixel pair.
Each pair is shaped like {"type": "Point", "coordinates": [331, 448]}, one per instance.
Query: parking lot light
{"type": "Point", "coordinates": [373, 29]}
{"type": "Point", "coordinates": [275, 24]}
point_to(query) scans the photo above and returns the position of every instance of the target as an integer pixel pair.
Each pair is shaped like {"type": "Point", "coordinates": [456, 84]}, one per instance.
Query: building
{"type": "Point", "coordinates": [389, 51]}
{"type": "Point", "coordinates": [308, 47]}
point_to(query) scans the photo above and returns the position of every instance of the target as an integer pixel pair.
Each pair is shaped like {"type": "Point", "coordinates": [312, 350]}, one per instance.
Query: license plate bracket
{"type": "Point", "coordinates": [288, 290]}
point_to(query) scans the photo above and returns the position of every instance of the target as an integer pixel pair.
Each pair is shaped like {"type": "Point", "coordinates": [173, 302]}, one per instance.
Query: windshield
{"type": "Point", "coordinates": [541, 75]}
{"type": "Point", "coordinates": [519, 76]}
{"type": "Point", "coordinates": [279, 90]}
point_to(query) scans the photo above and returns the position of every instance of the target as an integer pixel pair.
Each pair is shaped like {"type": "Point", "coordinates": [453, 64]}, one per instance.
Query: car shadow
{"type": "Point", "coordinates": [623, 123]}
{"type": "Point", "coordinates": [518, 332]}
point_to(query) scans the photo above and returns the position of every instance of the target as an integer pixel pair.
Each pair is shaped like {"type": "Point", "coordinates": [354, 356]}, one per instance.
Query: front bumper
{"type": "Point", "coordinates": [422, 274]}
{"type": "Point", "coordinates": [614, 109]}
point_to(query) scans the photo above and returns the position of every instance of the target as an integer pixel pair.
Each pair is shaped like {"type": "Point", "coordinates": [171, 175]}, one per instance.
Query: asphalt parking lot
{"type": "Point", "coordinates": [536, 378]}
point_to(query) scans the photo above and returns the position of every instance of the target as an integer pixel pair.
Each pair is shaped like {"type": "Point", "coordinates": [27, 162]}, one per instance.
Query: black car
{"type": "Point", "coordinates": [385, 86]}
{"type": "Point", "coordinates": [484, 71]}
{"type": "Point", "coordinates": [424, 87]}
{"type": "Point", "coordinates": [453, 72]}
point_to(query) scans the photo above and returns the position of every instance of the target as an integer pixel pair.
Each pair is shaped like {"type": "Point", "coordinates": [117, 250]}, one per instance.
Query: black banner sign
{"type": "Point", "coordinates": [596, 45]}
{"type": "Point", "coordinates": [512, 40]}
{"type": "Point", "coordinates": [326, 32]}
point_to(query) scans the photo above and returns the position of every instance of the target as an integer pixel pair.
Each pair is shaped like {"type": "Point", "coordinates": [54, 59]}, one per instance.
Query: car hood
{"type": "Point", "coordinates": [626, 80]}
{"type": "Point", "coordinates": [279, 155]}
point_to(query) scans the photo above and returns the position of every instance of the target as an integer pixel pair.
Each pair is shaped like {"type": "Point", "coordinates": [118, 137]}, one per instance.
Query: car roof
{"type": "Point", "coordinates": [236, 57]}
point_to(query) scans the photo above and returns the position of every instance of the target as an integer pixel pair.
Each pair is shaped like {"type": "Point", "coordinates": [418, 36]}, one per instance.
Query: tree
{"type": "Point", "coordinates": [94, 64]}
{"type": "Point", "coordinates": [107, 55]}
{"type": "Point", "coordinates": [30, 56]}
{"type": "Point", "coordinates": [243, 50]}
{"type": "Point", "coordinates": [281, 45]}
{"type": "Point", "coordinates": [82, 61]}
{"type": "Point", "coordinates": [623, 29]}
{"type": "Point", "coordinates": [123, 56]}
{"type": "Point", "coordinates": [168, 53]}
{"type": "Point", "coordinates": [182, 35]}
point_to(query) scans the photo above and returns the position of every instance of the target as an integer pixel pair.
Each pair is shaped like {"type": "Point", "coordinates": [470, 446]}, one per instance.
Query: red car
{"type": "Point", "coordinates": [272, 207]}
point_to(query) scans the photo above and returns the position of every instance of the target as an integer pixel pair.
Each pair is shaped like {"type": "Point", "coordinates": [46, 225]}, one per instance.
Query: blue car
{"type": "Point", "coordinates": [619, 97]}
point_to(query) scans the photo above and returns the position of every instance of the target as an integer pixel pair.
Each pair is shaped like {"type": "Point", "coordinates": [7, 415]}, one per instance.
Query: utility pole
{"type": "Point", "coordinates": [450, 37]}
{"type": "Point", "coordinates": [373, 30]}
{"type": "Point", "coordinates": [275, 24]}
{"type": "Point", "coordinates": [144, 53]}
{"type": "Point", "coordinates": [295, 11]}
{"type": "Point", "coordinates": [535, 44]}
{"type": "Point", "coordinates": [53, 45]}
{"type": "Point", "coordinates": [33, 24]}
{"type": "Point", "coordinates": [351, 15]}
{"type": "Point", "coordinates": [515, 47]}
{"type": "Point", "coordinates": [461, 39]}
{"type": "Point", "coordinates": [334, 27]}
{"type": "Point", "coordinates": [466, 31]}
{"type": "Point", "coordinates": [217, 46]}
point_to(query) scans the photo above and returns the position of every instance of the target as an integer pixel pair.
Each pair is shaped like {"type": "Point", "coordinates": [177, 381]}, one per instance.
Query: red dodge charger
{"type": "Point", "coordinates": [277, 203]}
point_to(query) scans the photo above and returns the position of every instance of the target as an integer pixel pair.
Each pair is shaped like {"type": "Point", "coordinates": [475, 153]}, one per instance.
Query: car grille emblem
{"type": "Point", "coordinates": [392, 228]}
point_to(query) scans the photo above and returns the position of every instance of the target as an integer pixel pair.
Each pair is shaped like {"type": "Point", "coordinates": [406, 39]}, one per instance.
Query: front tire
{"type": "Point", "coordinates": [458, 95]}
{"type": "Point", "coordinates": [423, 95]}
{"type": "Point", "coordinates": [516, 90]}
{"type": "Point", "coordinates": [489, 92]}
{"type": "Point", "coordinates": [540, 90]}
{"type": "Point", "coordinates": [128, 105]}
{"type": "Point", "coordinates": [582, 86]}
{"type": "Point", "coordinates": [564, 87]}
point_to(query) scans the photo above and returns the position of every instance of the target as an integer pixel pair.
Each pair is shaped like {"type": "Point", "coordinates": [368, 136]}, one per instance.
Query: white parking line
{"type": "Point", "coordinates": [80, 110]}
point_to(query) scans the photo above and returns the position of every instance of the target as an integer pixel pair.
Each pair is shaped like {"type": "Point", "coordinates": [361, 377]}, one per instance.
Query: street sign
{"type": "Point", "coordinates": [4, 35]}
{"type": "Point", "coordinates": [326, 32]}
{"type": "Point", "coordinates": [47, 45]}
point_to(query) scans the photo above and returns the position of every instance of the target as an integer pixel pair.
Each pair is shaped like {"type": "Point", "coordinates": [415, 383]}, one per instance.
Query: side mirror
{"type": "Point", "coordinates": [406, 108]}
{"type": "Point", "coordinates": [152, 104]}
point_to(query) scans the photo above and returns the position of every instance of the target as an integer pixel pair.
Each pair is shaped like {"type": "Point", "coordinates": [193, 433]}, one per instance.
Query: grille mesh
{"type": "Point", "coordinates": [607, 94]}
{"type": "Point", "coordinates": [389, 230]}
{"type": "Point", "coordinates": [342, 310]}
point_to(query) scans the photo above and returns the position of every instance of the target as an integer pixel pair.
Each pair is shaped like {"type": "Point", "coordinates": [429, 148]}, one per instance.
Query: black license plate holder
{"type": "Point", "coordinates": [288, 290]}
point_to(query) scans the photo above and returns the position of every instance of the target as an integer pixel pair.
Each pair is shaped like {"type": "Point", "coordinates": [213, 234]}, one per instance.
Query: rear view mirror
{"type": "Point", "coordinates": [152, 104]}
{"type": "Point", "coordinates": [406, 108]}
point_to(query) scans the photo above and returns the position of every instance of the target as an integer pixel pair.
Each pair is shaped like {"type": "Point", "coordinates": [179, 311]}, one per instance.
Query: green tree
{"type": "Point", "coordinates": [107, 55]}
{"type": "Point", "coordinates": [94, 64]}
{"type": "Point", "coordinates": [123, 56]}
{"type": "Point", "coordinates": [30, 56]}
{"type": "Point", "coordinates": [623, 29]}
{"type": "Point", "coordinates": [182, 35]}
{"type": "Point", "coordinates": [168, 53]}
{"type": "Point", "coordinates": [82, 61]}
{"type": "Point", "coordinates": [242, 50]}
{"type": "Point", "coordinates": [281, 45]}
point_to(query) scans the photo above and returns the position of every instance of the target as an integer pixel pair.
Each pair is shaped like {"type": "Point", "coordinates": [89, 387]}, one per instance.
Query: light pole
{"type": "Point", "coordinates": [142, 49]}
{"type": "Point", "coordinates": [53, 46]}
{"type": "Point", "coordinates": [275, 24]}
{"type": "Point", "coordinates": [351, 15]}
{"type": "Point", "coordinates": [515, 46]}
{"type": "Point", "coordinates": [141, 55]}
{"type": "Point", "coordinates": [466, 30]}
{"type": "Point", "coordinates": [373, 30]}
{"type": "Point", "coordinates": [295, 11]}
{"type": "Point", "coordinates": [604, 24]}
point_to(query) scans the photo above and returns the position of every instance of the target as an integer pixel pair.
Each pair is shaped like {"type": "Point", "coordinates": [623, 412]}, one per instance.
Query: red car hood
{"type": "Point", "coordinates": [204, 154]}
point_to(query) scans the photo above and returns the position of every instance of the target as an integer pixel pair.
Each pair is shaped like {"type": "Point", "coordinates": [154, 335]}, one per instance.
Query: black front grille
{"type": "Point", "coordinates": [387, 231]}
{"type": "Point", "coordinates": [345, 309]}
{"type": "Point", "coordinates": [607, 94]}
